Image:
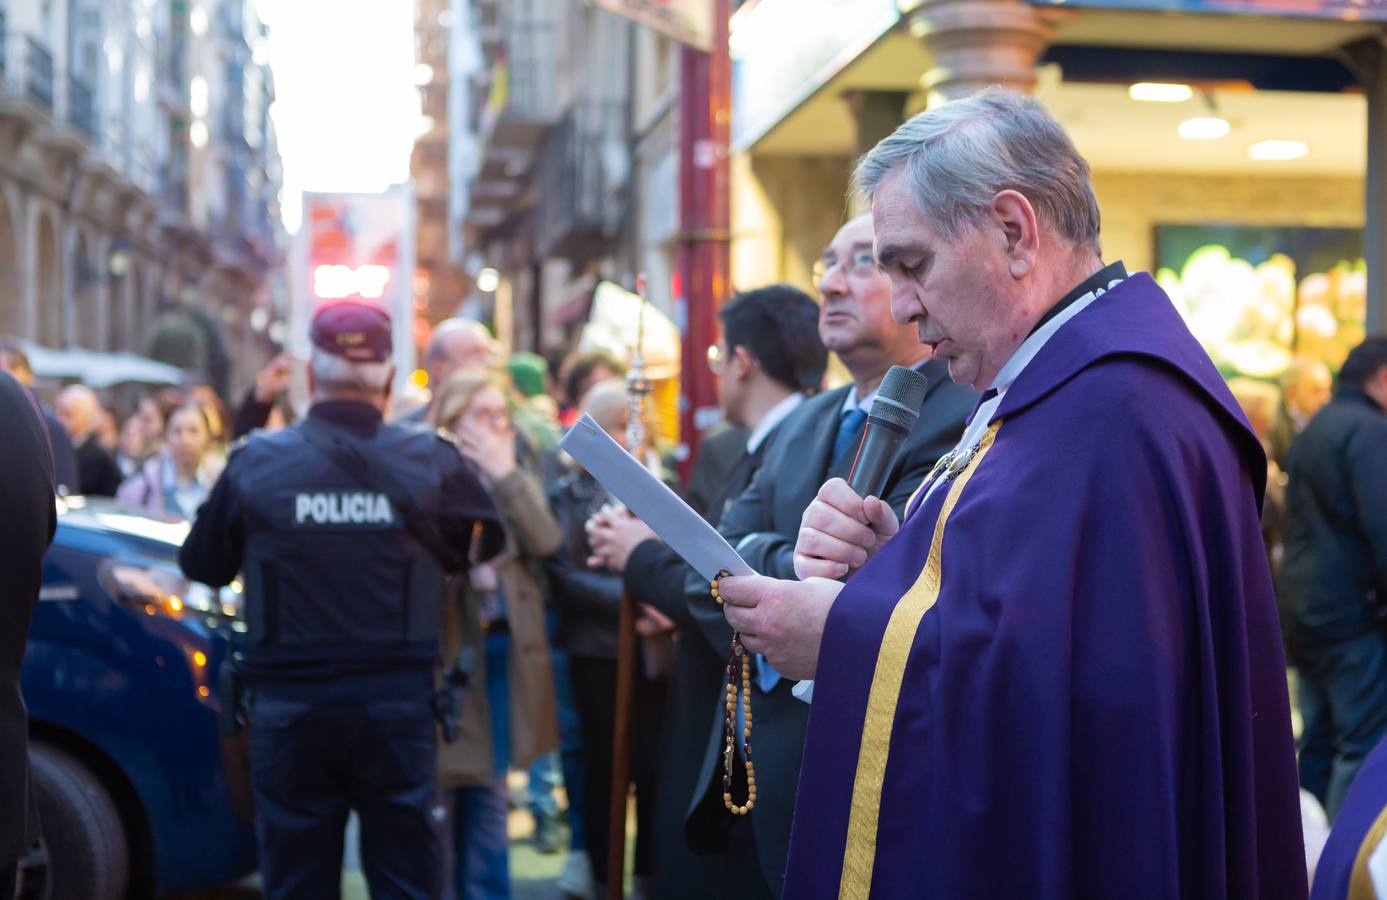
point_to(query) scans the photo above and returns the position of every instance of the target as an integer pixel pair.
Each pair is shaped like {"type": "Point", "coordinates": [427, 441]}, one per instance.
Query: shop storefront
{"type": "Point", "coordinates": [1229, 141]}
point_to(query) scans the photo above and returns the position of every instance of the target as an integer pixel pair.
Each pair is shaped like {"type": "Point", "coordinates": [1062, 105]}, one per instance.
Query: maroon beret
{"type": "Point", "coordinates": [353, 330]}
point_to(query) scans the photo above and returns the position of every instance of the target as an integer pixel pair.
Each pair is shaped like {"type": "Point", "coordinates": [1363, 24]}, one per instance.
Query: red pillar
{"type": "Point", "coordinates": [705, 120]}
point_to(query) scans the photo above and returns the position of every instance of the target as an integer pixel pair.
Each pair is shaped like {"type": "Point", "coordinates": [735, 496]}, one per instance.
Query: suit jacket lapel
{"type": "Point", "coordinates": [825, 433]}
{"type": "Point", "coordinates": [738, 480]}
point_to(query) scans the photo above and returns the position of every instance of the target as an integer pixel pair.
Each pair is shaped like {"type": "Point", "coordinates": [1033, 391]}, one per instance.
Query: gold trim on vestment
{"type": "Point", "coordinates": [1360, 885]}
{"type": "Point", "coordinates": [859, 854]}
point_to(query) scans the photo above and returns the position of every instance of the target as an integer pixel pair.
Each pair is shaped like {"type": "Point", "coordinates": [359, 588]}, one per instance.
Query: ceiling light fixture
{"type": "Point", "coordinates": [1204, 128]}
{"type": "Point", "coordinates": [1278, 150]}
{"type": "Point", "coordinates": [1156, 92]}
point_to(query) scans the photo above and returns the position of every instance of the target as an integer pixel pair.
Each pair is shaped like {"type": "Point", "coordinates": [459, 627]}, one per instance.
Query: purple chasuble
{"type": "Point", "coordinates": [1342, 872]}
{"type": "Point", "coordinates": [1064, 676]}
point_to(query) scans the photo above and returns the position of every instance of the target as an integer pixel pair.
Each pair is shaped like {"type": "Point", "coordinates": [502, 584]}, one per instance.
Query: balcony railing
{"type": "Point", "coordinates": [523, 77]}
{"type": "Point", "coordinates": [173, 66]}
{"type": "Point", "coordinates": [27, 70]}
{"type": "Point", "coordinates": [38, 64]}
{"type": "Point", "coordinates": [583, 174]}
{"type": "Point", "coordinates": [81, 108]}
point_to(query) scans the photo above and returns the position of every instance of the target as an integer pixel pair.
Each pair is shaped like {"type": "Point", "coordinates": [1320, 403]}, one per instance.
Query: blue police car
{"type": "Point", "coordinates": [138, 793]}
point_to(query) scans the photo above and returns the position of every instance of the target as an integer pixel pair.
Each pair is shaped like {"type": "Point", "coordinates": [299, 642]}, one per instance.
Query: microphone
{"type": "Point", "coordinates": [893, 414]}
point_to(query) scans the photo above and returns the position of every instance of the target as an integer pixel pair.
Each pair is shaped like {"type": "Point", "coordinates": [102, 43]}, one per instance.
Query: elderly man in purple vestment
{"type": "Point", "coordinates": [1062, 675]}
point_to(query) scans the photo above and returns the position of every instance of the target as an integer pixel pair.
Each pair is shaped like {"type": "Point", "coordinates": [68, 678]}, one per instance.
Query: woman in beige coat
{"type": "Point", "coordinates": [497, 611]}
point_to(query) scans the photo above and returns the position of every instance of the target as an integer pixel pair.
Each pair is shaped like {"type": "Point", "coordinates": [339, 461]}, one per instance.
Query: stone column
{"type": "Point", "coordinates": [70, 266]}
{"type": "Point", "coordinates": [101, 294]}
{"type": "Point", "coordinates": [875, 114]}
{"type": "Point", "coordinates": [977, 43]}
{"type": "Point", "coordinates": [29, 273]}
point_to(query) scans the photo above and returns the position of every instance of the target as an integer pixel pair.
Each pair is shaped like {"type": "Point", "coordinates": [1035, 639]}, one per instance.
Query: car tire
{"type": "Point", "coordinates": [87, 852]}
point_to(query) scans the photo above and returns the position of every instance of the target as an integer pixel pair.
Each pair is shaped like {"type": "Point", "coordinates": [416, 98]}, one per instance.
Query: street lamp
{"type": "Point", "coordinates": [118, 262]}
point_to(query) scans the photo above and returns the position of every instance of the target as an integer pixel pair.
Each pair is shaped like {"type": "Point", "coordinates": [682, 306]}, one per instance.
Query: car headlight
{"type": "Point", "coordinates": [162, 590]}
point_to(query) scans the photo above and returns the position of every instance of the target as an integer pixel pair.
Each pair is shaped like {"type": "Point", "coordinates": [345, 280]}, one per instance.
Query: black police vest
{"type": "Point", "coordinates": [334, 581]}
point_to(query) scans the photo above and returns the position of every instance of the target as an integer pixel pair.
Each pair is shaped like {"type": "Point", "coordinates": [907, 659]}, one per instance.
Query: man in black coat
{"type": "Point", "coordinates": [26, 496]}
{"type": "Point", "coordinates": [1333, 586]}
{"type": "Point", "coordinates": [98, 473]}
{"type": "Point", "coordinates": [15, 362]}
{"type": "Point", "coordinates": [815, 443]}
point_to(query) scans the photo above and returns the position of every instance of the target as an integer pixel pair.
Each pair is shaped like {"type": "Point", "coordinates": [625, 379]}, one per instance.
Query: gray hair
{"type": "Point", "coordinates": [960, 155]}
{"type": "Point", "coordinates": [335, 372]}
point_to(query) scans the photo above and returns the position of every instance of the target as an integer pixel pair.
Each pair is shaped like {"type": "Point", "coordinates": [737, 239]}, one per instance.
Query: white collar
{"type": "Point", "coordinates": [773, 417]}
{"type": "Point", "coordinates": [850, 402]}
{"type": "Point", "coordinates": [1032, 345]}
{"type": "Point", "coordinates": [1029, 349]}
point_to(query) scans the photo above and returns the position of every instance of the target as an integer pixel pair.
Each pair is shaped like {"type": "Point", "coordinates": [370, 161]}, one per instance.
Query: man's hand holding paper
{"type": "Point", "coordinates": [782, 620]}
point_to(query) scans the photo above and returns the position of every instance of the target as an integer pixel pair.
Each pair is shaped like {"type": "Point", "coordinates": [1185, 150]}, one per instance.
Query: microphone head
{"type": "Point", "coordinates": [899, 397]}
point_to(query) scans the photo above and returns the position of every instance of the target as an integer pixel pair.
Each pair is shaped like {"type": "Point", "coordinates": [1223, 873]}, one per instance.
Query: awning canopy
{"type": "Point", "coordinates": [99, 370]}
{"type": "Point", "coordinates": [621, 319]}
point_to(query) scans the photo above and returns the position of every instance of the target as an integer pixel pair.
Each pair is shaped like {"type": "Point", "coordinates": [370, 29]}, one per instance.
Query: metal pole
{"type": "Point", "coordinates": [626, 662]}
{"type": "Point", "coordinates": [705, 119]}
{"type": "Point", "coordinates": [638, 387]}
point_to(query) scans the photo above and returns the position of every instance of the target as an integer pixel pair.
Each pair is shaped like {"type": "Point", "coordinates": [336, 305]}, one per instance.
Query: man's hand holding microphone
{"type": "Point", "coordinates": [840, 531]}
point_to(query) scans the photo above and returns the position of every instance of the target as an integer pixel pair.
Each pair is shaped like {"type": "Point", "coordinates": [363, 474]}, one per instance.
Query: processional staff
{"type": "Point", "coordinates": [638, 388]}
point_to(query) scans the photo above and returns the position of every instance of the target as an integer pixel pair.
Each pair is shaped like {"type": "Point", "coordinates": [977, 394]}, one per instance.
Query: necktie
{"type": "Point", "coordinates": [765, 675]}
{"type": "Point", "coordinates": [766, 678]}
{"type": "Point", "coordinates": [849, 427]}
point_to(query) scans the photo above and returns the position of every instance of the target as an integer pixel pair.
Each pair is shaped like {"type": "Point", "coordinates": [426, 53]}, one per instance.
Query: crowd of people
{"type": "Point", "coordinates": [538, 618]}
{"type": "Point", "coordinates": [542, 622]}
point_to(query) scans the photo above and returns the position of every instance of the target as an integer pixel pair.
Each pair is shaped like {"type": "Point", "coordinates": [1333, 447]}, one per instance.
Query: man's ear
{"type": "Point", "coordinates": [745, 362]}
{"type": "Point", "coordinates": [1016, 218]}
{"type": "Point", "coordinates": [389, 387]}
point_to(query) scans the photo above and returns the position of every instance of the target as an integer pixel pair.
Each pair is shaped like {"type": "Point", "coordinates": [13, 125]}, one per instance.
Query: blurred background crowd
{"type": "Point", "coordinates": [548, 678]}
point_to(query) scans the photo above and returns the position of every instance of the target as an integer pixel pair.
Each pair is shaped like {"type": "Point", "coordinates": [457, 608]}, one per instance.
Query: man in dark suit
{"type": "Point", "coordinates": [768, 358]}
{"type": "Point", "coordinates": [718, 455]}
{"type": "Point", "coordinates": [26, 496]}
{"type": "Point", "coordinates": [815, 443]}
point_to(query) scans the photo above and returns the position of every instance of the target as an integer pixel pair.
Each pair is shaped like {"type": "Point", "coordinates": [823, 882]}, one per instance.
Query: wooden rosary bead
{"type": "Point", "coordinates": [738, 669]}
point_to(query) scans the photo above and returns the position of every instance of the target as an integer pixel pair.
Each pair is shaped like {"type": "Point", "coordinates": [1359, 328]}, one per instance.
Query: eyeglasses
{"type": "Point", "coordinates": [495, 417]}
{"type": "Point", "coordinates": [861, 264]}
{"type": "Point", "coordinates": [715, 358]}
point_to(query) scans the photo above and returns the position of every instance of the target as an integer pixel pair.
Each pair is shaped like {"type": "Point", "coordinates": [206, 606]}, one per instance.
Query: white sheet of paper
{"type": "Point", "coordinates": [651, 500]}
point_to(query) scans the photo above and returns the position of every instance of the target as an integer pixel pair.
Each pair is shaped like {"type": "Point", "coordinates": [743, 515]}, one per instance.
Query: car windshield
{"type": "Point", "coordinates": [102, 514]}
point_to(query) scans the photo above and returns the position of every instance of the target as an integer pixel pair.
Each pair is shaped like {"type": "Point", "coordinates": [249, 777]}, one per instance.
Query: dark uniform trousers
{"type": "Point", "coordinates": [313, 762]}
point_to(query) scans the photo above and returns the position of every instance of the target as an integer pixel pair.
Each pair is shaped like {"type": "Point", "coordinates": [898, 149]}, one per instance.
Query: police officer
{"type": "Point", "coordinates": [344, 527]}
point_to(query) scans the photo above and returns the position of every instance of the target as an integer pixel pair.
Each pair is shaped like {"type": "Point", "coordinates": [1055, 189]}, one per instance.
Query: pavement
{"type": "Point", "coordinates": [532, 873]}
